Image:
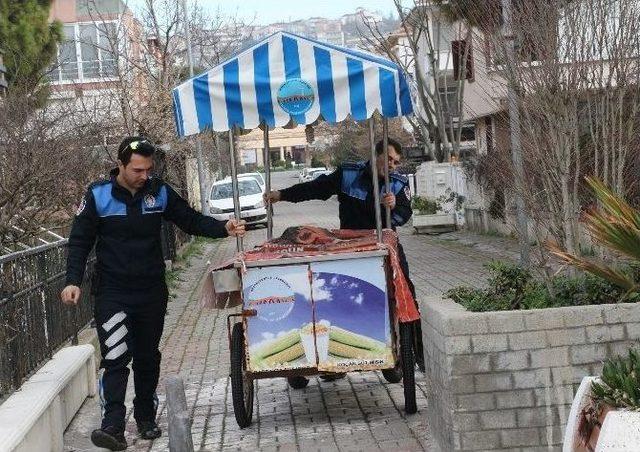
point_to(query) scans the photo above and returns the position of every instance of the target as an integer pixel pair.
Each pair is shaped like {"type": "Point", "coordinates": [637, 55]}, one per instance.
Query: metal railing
{"type": "Point", "coordinates": [171, 239]}
{"type": "Point", "coordinates": [33, 321]}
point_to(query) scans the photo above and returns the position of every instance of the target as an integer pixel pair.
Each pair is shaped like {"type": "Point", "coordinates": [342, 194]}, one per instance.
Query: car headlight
{"type": "Point", "coordinates": [215, 210]}
{"type": "Point", "coordinates": [259, 205]}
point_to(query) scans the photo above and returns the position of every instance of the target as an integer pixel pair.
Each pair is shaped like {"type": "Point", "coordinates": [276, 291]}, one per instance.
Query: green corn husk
{"type": "Point", "coordinates": [277, 345]}
{"type": "Point", "coordinates": [349, 351]}
{"type": "Point", "coordinates": [346, 337]}
{"type": "Point", "coordinates": [290, 354]}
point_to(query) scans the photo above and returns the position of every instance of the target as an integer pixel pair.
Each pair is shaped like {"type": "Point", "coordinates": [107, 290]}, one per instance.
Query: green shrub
{"type": "Point", "coordinates": [512, 287]}
{"type": "Point", "coordinates": [620, 387]}
{"type": "Point", "coordinates": [426, 206]}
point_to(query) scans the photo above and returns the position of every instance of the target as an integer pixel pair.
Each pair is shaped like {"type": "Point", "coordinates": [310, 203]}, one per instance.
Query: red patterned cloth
{"type": "Point", "coordinates": [302, 241]}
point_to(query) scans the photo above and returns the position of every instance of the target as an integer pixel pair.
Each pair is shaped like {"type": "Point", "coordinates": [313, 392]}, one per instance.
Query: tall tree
{"type": "Point", "coordinates": [29, 41]}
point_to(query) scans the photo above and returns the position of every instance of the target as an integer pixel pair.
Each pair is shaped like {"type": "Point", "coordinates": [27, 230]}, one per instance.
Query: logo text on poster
{"type": "Point", "coordinates": [272, 298]}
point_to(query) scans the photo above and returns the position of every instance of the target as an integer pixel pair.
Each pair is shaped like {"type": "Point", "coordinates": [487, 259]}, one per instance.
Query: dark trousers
{"type": "Point", "coordinates": [129, 324]}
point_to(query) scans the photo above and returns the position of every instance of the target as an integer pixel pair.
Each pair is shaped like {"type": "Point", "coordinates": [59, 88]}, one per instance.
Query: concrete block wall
{"type": "Point", "coordinates": [505, 380]}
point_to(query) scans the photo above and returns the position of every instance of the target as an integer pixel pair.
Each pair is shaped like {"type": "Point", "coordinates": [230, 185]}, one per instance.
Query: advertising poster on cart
{"type": "Point", "coordinates": [281, 297]}
{"type": "Point", "coordinates": [352, 315]}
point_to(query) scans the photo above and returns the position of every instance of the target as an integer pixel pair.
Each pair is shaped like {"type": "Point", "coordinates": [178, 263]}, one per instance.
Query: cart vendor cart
{"type": "Point", "coordinates": [313, 301]}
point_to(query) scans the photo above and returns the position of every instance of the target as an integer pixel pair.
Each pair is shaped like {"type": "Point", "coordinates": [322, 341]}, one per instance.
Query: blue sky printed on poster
{"type": "Point", "coordinates": [351, 294]}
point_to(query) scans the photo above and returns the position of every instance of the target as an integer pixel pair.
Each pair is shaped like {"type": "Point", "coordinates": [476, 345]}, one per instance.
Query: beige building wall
{"type": "Point", "coordinates": [482, 94]}
{"type": "Point", "coordinates": [281, 142]}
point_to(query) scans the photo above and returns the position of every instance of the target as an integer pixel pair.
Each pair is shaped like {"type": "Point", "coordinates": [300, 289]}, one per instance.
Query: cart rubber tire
{"type": "Point", "coordinates": [408, 367]}
{"type": "Point", "coordinates": [298, 382]}
{"type": "Point", "coordinates": [393, 375]}
{"type": "Point", "coordinates": [241, 385]}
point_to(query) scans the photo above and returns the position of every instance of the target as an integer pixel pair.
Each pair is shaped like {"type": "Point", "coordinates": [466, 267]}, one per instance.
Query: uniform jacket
{"type": "Point", "coordinates": [353, 184]}
{"type": "Point", "coordinates": [126, 232]}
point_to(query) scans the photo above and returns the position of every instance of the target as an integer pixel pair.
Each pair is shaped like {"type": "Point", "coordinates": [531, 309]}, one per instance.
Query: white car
{"type": "Point", "coordinates": [315, 174]}
{"type": "Point", "coordinates": [252, 208]}
{"type": "Point", "coordinates": [257, 176]}
{"type": "Point", "coordinates": [307, 173]}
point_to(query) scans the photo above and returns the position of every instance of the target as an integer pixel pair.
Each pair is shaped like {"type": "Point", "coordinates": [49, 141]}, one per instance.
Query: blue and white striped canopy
{"type": "Point", "coordinates": [247, 89]}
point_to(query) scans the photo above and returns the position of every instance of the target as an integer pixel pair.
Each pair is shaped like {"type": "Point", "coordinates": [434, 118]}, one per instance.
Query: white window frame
{"type": "Point", "coordinates": [76, 39]}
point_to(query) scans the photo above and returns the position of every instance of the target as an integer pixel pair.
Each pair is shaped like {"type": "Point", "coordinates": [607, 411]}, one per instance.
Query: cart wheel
{"type": "Point", "coordinates": [241, 384]}
{"type": "Point", "coordinates": [393, 375]}
{"type": "Point", "coordinates": [298, 382]}
{"type": "Point", "coordinates": [408, 367]}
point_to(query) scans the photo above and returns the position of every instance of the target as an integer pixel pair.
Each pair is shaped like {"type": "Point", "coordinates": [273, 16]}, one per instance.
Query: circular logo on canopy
{"type": "Point", "coordinates": [272, 298]}
{"type": "Point", "coordinates": [295, 96]}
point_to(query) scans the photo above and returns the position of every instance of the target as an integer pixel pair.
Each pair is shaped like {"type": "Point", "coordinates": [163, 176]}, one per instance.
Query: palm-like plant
{"type": "Point", "coordinates": [614, 225]}
{"type": "Point", "coordinates": [620, 387]}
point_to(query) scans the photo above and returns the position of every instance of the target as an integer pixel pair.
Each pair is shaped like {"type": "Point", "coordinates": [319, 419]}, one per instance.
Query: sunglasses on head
{"type": "Point", "coordinates": [135, 145]}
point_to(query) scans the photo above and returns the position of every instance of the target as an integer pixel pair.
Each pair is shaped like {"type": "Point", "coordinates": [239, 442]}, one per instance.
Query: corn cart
{"type": "Point", "coordinates": [307, 310]}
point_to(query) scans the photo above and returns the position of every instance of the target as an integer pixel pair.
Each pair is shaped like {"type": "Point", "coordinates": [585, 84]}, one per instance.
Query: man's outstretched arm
{"type": "Point", "coordinates": [323, 187]}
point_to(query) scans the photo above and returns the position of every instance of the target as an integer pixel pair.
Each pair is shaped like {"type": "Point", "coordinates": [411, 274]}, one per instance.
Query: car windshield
{"type": "Point", "coordinates": [245, 187]}
{"type": "Point", "coordinates": [258, 178]}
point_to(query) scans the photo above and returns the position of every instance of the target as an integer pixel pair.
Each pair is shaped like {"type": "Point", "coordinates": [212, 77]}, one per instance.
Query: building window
{"type": "Point", "coordinates": [458, 50]}
{"type": "Point", "coordinates": [85, 53]}
{"type": "Point", "coordinates": [449, 100]}
{"type": "Point", "coordinates": [488, 123]}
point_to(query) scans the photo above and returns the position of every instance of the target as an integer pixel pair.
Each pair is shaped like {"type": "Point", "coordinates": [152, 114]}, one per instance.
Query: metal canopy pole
{"type": "Point", "coordinates": [234, 185]}
{"type": "Point", "coordinates": [387, 186]}
{"type": "Point", "coordinates": [267, 175]}
{"type": "Point", "coordinates": [374, 176]}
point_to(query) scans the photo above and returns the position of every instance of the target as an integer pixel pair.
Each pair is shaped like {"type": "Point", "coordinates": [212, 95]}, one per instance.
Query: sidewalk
{"type": "Point", "coordinates": [360, 412]}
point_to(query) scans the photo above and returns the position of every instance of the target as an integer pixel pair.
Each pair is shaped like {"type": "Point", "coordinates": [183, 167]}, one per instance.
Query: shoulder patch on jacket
{"type": "Point", "coordinates": [157, 203]}
{"type": "Point", "coordinates": [397, 183]}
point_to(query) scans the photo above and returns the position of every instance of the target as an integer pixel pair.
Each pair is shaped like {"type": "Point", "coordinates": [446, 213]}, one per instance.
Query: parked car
{"type": "Point", "coordinates": [252, 208]}
{"type": "Point", "coordinates": [258, 178]}
{"type": "Point", "coordinates": [315, 174]}
{"type": "Point", "coordinates": [306, 173]}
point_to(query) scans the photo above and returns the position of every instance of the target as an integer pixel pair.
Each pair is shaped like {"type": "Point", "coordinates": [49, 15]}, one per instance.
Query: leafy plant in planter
{"type": "Point", "coordinates": [426, 206]}
{"type": "Point", "coordinates": [618, 389]}
{"type": "Point", "coordinates": [512, 287]}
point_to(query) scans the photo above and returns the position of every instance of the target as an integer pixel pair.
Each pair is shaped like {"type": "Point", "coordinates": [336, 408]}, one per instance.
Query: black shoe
{"type": "Point", "coordinates": [109, 438]}
{"type": "Point", "coordinates": [332, 377]}
{"type": "Point", "coordinates": [149, 430]}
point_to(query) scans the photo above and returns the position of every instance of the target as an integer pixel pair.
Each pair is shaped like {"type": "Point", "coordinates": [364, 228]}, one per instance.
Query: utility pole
{"type": "Point", "coordinates": [201, 181]}
{"type": "Point", "coordinates": [516, 144]}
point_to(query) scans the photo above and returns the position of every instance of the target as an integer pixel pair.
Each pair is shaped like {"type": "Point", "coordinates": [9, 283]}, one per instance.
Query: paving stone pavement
{"type": "Point", "coordinates": [359, 412]}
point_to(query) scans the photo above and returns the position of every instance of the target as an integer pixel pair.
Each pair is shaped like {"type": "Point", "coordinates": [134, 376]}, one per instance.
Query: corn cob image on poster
{"type": "Point", "coordinates": [281, 297]}
{"type": "Point", "coordinates": [352, 314]}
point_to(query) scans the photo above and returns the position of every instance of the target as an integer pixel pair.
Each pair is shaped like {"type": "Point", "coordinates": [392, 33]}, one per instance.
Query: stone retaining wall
{"type": "Point", "coordinates": [505, 380]}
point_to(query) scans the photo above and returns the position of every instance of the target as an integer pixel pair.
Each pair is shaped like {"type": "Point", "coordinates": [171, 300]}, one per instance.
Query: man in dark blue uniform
{"type": "Point", "coordinates": [353, 183]}
{"type": "Point", "coordinates": [122, 216]}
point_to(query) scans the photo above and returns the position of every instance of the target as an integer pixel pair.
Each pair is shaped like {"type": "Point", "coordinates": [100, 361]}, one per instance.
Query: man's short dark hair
{"type": "Point", "coordinates": [134, 145]}
{"type": "Point", "coordinates": [391, 142]}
